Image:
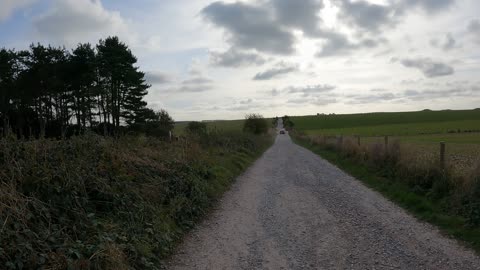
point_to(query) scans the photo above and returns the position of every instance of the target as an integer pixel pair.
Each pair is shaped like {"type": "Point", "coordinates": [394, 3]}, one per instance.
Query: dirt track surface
{"type": "Point", "coordinates": [294, 210]}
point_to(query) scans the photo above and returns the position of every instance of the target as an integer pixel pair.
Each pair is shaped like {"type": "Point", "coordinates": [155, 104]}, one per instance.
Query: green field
{"type": "Point", "coordinates": [419, 131]}
{"type": "Point", "coordinates": [405, 123]}
{"type": "Point", "coordinates": [421, 127]}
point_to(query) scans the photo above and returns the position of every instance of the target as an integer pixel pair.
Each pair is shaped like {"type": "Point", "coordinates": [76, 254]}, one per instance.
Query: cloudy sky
{"type": "Point", "coordinates": [222, 59]}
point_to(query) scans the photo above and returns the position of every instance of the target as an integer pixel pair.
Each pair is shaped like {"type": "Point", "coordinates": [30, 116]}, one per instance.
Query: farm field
{"type": "Point", "coordinates": [407, 129]}
{"type": "Point", "coordinates": [419, 132]}
{"type": "Point", "coordinates": [460, 127]}
{"type": "Point", "coordinates": [401, 123]}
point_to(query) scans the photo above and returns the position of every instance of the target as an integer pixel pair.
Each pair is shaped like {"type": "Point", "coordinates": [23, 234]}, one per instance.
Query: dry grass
{"type": "Point", "coordinates": [459, 185]}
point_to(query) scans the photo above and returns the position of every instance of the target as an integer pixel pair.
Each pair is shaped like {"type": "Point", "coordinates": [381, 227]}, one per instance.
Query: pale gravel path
{"type": "Point", "coordinates": [294, 210]}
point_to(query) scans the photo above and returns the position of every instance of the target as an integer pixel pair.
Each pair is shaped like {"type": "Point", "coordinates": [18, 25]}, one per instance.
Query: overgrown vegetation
{"type": "Point", "coordinates": [94, 202]}
{"type": "Point", "coordinates": [196, 129]}
{"type": "Point", "coordinates": [217, 125]}
{"type": "Point", "coordinates": [416, 181]}
{"type": "Point", "coordinates": [256, 124]}
{"type": "Point", "coordinates": [287, 122]}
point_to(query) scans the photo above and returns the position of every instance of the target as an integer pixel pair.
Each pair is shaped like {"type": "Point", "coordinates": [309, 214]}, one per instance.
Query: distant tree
{"type": "Point", "coordinates": [158, 124]}
{"type": "Point", "coordinates": [287, 123]}
{"type": "Point", "coordinates": [256, 124]}
{"type": "Point", "coordinates": [275, 121]}
{"type": "Point", "coordinates": [196, 128]}
{"type": "Point", "coordinates": [165, 120]}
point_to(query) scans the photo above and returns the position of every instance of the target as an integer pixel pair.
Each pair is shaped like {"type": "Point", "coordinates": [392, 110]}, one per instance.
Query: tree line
{"type": "Point", "coordinates": [48, 91]}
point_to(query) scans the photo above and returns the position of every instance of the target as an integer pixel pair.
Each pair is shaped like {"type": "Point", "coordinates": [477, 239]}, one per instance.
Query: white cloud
{"type": "Point", "coordinates": [74, 21]}
{"type": "Point", "coordinates": [8, 7]}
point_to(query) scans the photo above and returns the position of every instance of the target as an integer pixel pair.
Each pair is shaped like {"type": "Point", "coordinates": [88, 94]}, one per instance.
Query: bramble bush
{"type": "Point", "coordinates": [94, 202]}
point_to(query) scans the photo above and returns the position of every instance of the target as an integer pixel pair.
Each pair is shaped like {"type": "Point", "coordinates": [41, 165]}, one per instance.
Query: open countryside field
{"type": "Point", "coordinates": [398, 123]}
{"type": "Point", "coordinates": [418, 132]}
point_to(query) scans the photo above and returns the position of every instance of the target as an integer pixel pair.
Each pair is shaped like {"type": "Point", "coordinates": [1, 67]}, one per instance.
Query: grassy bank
{"type": "Point", "coordinates": [419, 133]}
{"type": "Point", "coordinates": [416, 183]}
{"type": "Point", "coordinates": [100, 203]}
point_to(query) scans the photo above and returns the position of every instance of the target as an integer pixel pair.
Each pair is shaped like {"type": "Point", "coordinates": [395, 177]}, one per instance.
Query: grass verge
{"type": "Point", "coordinates": [422, 206]}
{"type": "Point", "coordinates": [92, 202]}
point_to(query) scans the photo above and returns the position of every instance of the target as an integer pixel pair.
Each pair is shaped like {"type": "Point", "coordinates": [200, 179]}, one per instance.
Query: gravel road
{"type": "Point", "coordinates": [294, 210]}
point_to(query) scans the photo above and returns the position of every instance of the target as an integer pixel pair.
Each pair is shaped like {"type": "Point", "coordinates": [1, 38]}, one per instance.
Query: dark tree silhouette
{"type": "Point", "coordinates": [50, 91]}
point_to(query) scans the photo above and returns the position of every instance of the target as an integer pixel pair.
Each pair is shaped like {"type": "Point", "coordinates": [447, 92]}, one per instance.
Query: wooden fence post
{"type": "Point", "coordinates": [442, 155]}
{"type": "Point", "coordinates": [358, 140]}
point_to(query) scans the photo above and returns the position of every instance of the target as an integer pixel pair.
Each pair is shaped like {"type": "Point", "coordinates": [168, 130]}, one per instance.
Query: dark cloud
{"type": "Point", "coordinates": [302, 15]}
{"type": "Point", "coordinates": [269, 25]}
{"type": "Point", "coordinates": [371, 17]}
{"type": "Point", "coordinates": [280, 69]}
{"type": "Point", "coordinates": [157, 78]}
{"type": "Point", "coordinates": [236, 58]}
{"type": "Point", "coordinates": [367, 16]}
{"type": "Point", "coordinates": [250, 27]}
{"type": "Point", "coordinates": [429, 67]}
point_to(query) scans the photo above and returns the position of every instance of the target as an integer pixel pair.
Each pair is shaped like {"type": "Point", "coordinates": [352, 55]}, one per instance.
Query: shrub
{"type": "Point", "coordinates": [471, 204]}
{"type": "Point", "coordinates": [287, 123]}
{"type": "Point", "coordinates": [256, 124]}
{"type": "Point", "coordinates": [196, 128]}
